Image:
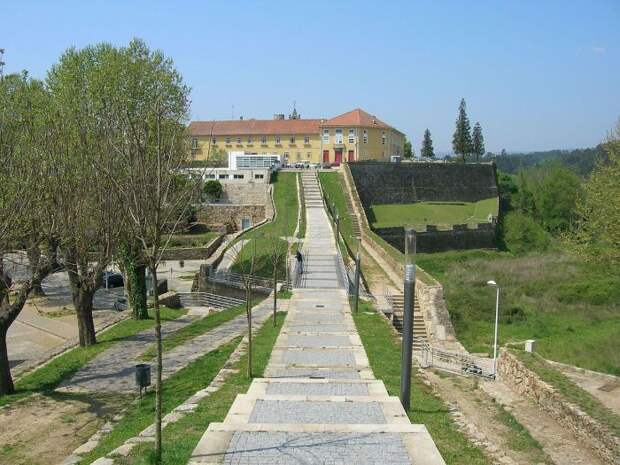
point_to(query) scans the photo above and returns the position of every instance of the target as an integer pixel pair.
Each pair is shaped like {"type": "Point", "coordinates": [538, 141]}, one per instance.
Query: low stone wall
{"type": "Point", "coordinates": [193, 253]}
{"type": "Point", "coordinates": [459, 237]}
{"type": "Point", "coordinates": [521, 379]}
{"type": "Point", "coordinates": [170, 300]}
{"type": "Point", "coordinates": [217, 215]}
{"type": "Point", "coordinates": [239, 193]}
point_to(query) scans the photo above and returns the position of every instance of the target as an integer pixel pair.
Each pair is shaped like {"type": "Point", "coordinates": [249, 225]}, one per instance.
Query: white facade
{"type": "Point", "coordinates": [247, 160]}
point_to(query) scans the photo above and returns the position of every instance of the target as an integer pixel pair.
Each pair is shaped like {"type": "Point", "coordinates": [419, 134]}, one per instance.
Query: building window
{"type": "Point", "coordinates": [309, 155]}
{"type": "Point", "coordinates": [338, 136]}
{"type": "Point", "coordinates": [365, 136]}
{"type": "Point", "coordinates": [228, 140]}
{"type": "Point", "coordinates": [286, 155]}
{"type": "Point", "coordinates": [292, 139]}
{"type": "Point", "coordinates": [238, 176]}
{"type": "Point", "coordinates": [249, 139]}
{"type": "Point", "coordinates": [383, 137]}
{"type": "Point", "coordinates": [259, 176]}
{"type": "Point", "coordinates": [214, 141]}
{"type": "Point", "coordinates": [209, 176]}
{"type": "Point", "coordinates": [263, 140]}
{"type": "Point", "coordinates": [239, 140]}
{"type": "Point", "coordinates": [278, 140]}
{"type": "Point", "coordinates": [306, 140]}
{"type": "Point", "coordinates": [351, 136]}
{"type": "Point", "coordinates": [194, 143]}
{"type": "Point", "coordinates": [223, 176]}
{"type": "Point", "coordinates": [326, 135]}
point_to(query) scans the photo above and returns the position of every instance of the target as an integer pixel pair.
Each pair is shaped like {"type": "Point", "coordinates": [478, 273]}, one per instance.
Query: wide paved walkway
{"type": "Point", "coordinates": [319, 402]}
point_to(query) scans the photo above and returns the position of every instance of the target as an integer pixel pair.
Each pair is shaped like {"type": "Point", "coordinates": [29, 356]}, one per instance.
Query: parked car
{"type": "Point", "coordinates": [112, 279]}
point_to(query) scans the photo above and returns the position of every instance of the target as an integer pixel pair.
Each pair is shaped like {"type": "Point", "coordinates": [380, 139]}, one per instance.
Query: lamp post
{"type": "Point", "coordinates": [409, 295]}
{"type": "Point", "coordinates": [337, 221]}
{"type": "Point", "coordinates": [494, 284]}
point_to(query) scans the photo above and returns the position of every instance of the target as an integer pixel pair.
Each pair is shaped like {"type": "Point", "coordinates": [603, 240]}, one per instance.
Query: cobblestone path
{"type": "Point", "coordinates": [113, 369]}
{"type": "Point", "coordinates": [319, 402]}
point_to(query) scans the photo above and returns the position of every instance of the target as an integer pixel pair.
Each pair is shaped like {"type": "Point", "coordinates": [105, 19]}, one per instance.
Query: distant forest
{"type": "Point", "coordinates": [582, 161]}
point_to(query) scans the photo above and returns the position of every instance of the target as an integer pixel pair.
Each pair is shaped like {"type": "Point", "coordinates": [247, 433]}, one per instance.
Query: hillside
{"type": "Point", "coordinates": [582, 161]}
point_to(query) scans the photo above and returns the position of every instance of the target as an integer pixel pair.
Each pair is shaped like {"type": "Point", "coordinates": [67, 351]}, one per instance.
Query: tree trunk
{"type": "Point", "coordinates": [34, 260]}
{"type": "Point", "coordinates": [6, 381]}
{"type": "Point", "coordinates": [275, 294]}
{"type": "Point", "coordinates": [83, 302]}
{"type": "Point", "coordinates": [159, 367]}
{"type": "Point", "coordinates": [248, 312]}
{"type": "Point", "coordinates": [136, 290]}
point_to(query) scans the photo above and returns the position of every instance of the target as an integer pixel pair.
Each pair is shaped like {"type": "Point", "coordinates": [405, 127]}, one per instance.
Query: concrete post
{"type": "Point", "coordinates": [407, 343]}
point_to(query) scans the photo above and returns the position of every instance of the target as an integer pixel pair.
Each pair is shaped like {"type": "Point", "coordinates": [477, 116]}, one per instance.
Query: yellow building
{"type": "Point", "coordinates": [352, 136]}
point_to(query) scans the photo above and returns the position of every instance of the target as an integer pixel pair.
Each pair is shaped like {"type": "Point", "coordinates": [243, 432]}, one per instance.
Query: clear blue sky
{"type": "Point", "coordinates": [537, 74]}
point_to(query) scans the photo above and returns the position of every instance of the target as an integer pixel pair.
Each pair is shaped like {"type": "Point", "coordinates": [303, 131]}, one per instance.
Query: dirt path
{"type": "Point", "coordinates": [43, 430]}
{"type": "Point", "coordinates": [557, 441]}
{"type": "Point", "coordinates": [606, 388]}
{"type": "Point", "coordinates": [484, 421]}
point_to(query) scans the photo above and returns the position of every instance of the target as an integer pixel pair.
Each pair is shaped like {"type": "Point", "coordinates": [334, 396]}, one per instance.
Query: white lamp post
{"type": "Point", "coordinates": [494, 284]}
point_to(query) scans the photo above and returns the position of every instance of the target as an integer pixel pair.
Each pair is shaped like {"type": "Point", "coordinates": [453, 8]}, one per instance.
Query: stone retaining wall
{"type": "Point", "coordinates": [459, 237]}
{"type": "Point", "coordinates": [193, 253]}
{"type": "Point", "coordinates": [230, 215]}
{"type": "Point", "coordinates": [521, 379]}
{"type": "Point", "coordinates": [396, 183]}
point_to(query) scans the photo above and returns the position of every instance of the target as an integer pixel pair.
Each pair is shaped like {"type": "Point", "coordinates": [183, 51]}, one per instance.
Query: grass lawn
{"type": "Point", "coordinates": [46, 379]}
{"type": "Point", "coordinates": [176, 389]}
{"type": "Point", "coordinates": [383, 350]}
{"type": "Point", "coordinates": [571, 308]}
{"type": "Point", "coordinates": [180, 439]}
{"type": "Point", "coordinates": [437, 213]}
{"type": "Point", "coordinates": [192, 240]}
{"type": "Point", "coordinates": [268, 235]}
{"type": "Point", "coordinates": [334, 193]}
{"type": "Point", "coordinates": [571, 391]}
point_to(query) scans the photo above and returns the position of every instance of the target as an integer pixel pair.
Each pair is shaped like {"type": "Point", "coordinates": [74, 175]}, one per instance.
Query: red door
{"type": "Point", "coordinates": [325, 156]}
{"type": "Point", "coordinates": [338, 153]}
{"type": "Point", "coordinates": [351, 155]}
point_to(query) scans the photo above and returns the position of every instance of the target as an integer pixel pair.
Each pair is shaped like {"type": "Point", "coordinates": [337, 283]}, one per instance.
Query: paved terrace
{"type": "Point", "coordinates": [319, 402]}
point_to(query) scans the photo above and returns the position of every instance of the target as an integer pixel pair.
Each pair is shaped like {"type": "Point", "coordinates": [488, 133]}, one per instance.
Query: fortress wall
{"type": "Point", "coordinates": [460, 237]}
{"type": "Point", "coordinates": [396, 183]}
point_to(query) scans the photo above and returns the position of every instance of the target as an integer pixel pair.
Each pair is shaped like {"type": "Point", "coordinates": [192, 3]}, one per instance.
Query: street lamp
{"type": "Point", "coordinates": [494, 284]}
{"type": "Point", "coordinates": [408, 298]}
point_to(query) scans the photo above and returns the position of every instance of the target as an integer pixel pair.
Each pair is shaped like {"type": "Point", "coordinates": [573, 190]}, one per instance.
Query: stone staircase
{"type": "Point", "coordinates": [419, 327]}
{"type": "Point", "coordinates": [355, 224]}
{"type": "Point", "coordinates": [312, 192]}
{"type": "Point", "coordinates": [318, 402]}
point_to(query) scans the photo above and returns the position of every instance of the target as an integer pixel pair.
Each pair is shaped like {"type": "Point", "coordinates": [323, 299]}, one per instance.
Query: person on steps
{"type": "Point", "coordinates": [300, 262]}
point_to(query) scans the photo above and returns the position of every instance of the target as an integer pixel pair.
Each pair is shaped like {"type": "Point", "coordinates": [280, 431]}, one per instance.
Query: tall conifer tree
{"type": "Point", "coordinates": [461, 141]}
{"type": "Point", "coordinates": [478, 141]}
{"type": "Point", "coordinates": [427, 150]}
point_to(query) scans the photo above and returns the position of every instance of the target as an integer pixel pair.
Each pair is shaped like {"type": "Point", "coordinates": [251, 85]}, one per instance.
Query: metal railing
{"type": "Point", "coordinates": [240, 280]}
{"type": "Point", "coordinates": [207, 299]}
{"type": "Point", "coordinates": [456, 362]}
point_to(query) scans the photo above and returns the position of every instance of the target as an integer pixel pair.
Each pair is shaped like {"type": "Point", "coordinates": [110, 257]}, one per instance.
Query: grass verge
{"type": "Point", "coordinates": [383, 350]}
{"type": "Point", "coordinates": [180, 439]}
{"type": "Point", "coordinates": [46, 378]}
{"type": "Point", "coordinates": [176, 389]}
{"type": "Point", "coordinates": [570, 391]}
{"type": "Point", "coordinates": [521, 439]}
{"type": "Point", "coordinates": [268, 235]}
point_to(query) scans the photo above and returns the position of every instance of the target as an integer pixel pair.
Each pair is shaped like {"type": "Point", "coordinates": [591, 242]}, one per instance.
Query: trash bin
{"type": "Point", "coordinates": [143, 375]}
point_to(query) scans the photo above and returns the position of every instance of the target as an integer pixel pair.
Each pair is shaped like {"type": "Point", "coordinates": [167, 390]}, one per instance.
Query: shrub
{"type": "Point", "coordinates": [213, 189]}
{"type": "Point", "coordinates": [522, 234]}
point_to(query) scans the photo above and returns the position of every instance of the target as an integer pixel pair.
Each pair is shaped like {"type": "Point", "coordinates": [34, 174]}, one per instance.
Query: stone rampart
{"type": "Point", "coordinates": [590, 432]}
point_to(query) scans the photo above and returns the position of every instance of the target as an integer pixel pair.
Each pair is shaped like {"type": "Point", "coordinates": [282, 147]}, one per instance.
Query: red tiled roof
{"type": "Point", "coordinates": [357, 117]}
{"type": "Point", "coordinates": [254, 127]}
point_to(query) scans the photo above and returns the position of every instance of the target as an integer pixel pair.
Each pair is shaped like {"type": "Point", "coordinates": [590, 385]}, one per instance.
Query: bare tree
{"type": "Point", "coordinates": [248, 283]}
{"type": "Point", "coordinates": [277, 253]}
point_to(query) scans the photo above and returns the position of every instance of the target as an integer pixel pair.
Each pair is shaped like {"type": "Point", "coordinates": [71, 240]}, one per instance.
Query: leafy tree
{"type": "Point", "coordinates": [427, 150]}
{"type": "Point", "coordinates": [213, 189]}
{"type": "Point", "coordinates": [478, 142]}
{"type": "Point", "coordinates": [507, 191]}
{"type": "Point", "coordinates": [597, 235]}
{"type": "Point", "coordinates": [88, 214]}
{"type": "Point", "coordinates": [461, 140]}
{"type": "Point", "coordinates": [555, 196]}
{"type": "Point", "coordinates": [27, 191]}
{"type": "Point", "coordinates": [522, 234]}
{"type": "Point", "coordinates": [407, 151]}
{"type": "Point", "coordinates": [146, 114]}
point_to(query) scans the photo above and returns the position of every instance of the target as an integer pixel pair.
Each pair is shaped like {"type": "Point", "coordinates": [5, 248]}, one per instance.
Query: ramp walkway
{"type": "Point", "coordinates": [319, 402]}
